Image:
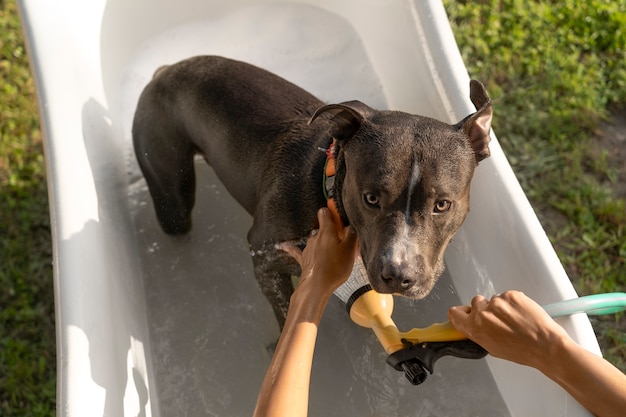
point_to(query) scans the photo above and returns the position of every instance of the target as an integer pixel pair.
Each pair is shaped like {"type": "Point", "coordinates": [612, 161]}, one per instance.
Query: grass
{"type": "Point", "coordinates": [27, 340]}
{"type": "Point", "coordinates": [554, 69]}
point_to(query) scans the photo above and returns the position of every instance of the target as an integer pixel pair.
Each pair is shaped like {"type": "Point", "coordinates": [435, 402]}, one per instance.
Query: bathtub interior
{"type": "Point", "coordinates": [154, 325]}
{"type": "Point", "coordinates": [216, 366]}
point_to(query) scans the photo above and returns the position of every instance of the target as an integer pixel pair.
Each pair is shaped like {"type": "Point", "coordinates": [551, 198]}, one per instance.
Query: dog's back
{"type": "Point", "coordinates": [239, 117]}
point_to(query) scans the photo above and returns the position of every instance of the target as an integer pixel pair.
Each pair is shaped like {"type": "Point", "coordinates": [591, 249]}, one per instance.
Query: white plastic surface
{"type": "Point", "coordinates": [153, 326]}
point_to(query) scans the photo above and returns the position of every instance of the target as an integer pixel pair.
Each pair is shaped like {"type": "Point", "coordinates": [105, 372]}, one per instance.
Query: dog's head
{"type": "Point", "coordinates": [403, 183]}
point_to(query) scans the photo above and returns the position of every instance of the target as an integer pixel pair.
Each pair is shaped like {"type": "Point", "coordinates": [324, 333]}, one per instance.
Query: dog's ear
{"type": "Point", "coordinates": [478, 125]}
{"type": "Point", "coordinates": [347, 117]}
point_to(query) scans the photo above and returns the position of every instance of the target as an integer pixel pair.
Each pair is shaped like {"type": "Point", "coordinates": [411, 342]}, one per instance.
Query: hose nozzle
{"type": "Point", "coordinates": [413, 352]}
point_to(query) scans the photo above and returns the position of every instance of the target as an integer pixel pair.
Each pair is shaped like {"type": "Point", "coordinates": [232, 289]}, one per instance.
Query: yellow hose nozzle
{"type": "Point", "coordinates": [413, 352]}
{"type": "Point", "coordinates": [437, 332]}
{"type": "Point", "coordinates": [374, 310]}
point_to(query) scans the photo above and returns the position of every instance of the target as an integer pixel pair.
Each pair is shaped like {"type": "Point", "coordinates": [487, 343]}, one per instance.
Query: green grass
{"type": "Point", "coordinates": [554, 70]}
{"type": "Point", "coordinates": [27, 341]}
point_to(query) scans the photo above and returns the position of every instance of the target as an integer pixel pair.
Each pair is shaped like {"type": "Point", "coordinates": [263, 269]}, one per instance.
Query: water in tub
{"type": "Point", "coordinates": [210, 326]}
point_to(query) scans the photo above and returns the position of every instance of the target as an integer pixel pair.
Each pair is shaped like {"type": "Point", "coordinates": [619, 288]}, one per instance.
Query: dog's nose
{"type": "Point", "coordinates": [396, 278]}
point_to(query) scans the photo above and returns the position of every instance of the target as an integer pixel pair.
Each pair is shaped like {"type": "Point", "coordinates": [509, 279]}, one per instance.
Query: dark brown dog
{"type": "Point", "coordinates": [402, 181]}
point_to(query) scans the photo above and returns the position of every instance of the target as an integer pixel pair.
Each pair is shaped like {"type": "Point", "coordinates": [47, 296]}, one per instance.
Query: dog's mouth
{"type": "Point", "coordinates": [411, 281]}
{"type": "Point", "coordinates": [415, 292]}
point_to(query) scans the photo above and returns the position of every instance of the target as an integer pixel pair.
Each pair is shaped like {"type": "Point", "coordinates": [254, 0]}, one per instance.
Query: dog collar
{"type": "Point", "coordinates": [328, 182]}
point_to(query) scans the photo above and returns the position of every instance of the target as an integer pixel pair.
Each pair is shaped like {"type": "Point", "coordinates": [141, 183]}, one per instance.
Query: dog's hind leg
{"type": "Point", "coordinates": [167, 165]}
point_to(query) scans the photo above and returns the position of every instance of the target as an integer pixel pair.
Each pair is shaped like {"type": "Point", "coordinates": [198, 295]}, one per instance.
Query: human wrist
{"type": "Point", "coordinates": [554, 353]}
{"type": "Point", "coordinates": [309, 300]}
{"type": "Point", "coordinates": [319, 283]}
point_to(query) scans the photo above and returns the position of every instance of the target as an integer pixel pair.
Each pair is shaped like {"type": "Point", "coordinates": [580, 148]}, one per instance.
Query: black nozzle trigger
{"type": "Point", "coordinates": [414, 361]}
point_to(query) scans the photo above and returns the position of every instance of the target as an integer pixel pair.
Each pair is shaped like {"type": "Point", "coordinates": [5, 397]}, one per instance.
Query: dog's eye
{"type": "Point", "coordinates": [371, 200]}
{"type": "Point", "coordinates": [442, 206]}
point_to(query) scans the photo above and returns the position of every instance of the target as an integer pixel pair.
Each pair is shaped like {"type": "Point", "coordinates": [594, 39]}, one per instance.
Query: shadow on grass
{"type": "Point", "coordinates": [27, 330]}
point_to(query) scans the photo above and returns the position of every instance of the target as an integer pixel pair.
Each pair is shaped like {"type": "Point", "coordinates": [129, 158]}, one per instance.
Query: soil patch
{"type": "Point", "coordinates": [610, 143]}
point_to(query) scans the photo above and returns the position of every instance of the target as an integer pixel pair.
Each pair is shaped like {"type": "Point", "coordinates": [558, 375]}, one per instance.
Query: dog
{"type": "Point", "coordinates": [402, 181]}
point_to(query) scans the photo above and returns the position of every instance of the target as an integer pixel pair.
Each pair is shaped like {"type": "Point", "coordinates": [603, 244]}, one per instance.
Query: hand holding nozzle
{"type": "Point", "coordinates": [416, 350]}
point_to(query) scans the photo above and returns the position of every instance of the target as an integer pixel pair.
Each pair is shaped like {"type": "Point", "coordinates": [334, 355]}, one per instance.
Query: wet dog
{"type": "Point", "coordinates": [402, 181]}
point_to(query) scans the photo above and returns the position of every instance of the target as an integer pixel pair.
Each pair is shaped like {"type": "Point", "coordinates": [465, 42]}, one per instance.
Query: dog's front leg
{"type": "Point", "coordinates": [274, 269]}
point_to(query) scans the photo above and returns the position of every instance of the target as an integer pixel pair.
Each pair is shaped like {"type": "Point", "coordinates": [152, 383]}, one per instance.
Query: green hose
{"type": "Point", "coordinates": [608, 303]}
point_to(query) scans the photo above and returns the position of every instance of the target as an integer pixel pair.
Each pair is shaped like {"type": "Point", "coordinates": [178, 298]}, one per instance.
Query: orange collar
{"type": "Point", "coordinates": [329, 185]}
{"type": "Point", "coordinates": [329, 171]}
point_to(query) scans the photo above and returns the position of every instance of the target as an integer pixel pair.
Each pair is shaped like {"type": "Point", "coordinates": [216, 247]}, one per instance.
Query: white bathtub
{"type": "Point", "coordinates": [148, 325]}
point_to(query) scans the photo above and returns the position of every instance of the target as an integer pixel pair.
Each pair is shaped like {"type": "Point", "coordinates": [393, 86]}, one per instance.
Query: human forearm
{"type": "Point", "coordinates": [326, 263]}
{"type": "Point", "coordinates": [591, 380]}
{"type": "Point", "coordinates": [511, 326]}
{"type": "Point", "coordinates": [285, 389]}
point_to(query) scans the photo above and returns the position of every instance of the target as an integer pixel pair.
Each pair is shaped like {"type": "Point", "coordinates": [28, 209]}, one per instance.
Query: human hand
{"type": "Point", "coordinates": [509, 326]}
{"type": "Point", "coordinates": [326, 262]}
{"type": "Point", "coordinates": [327, 259]}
